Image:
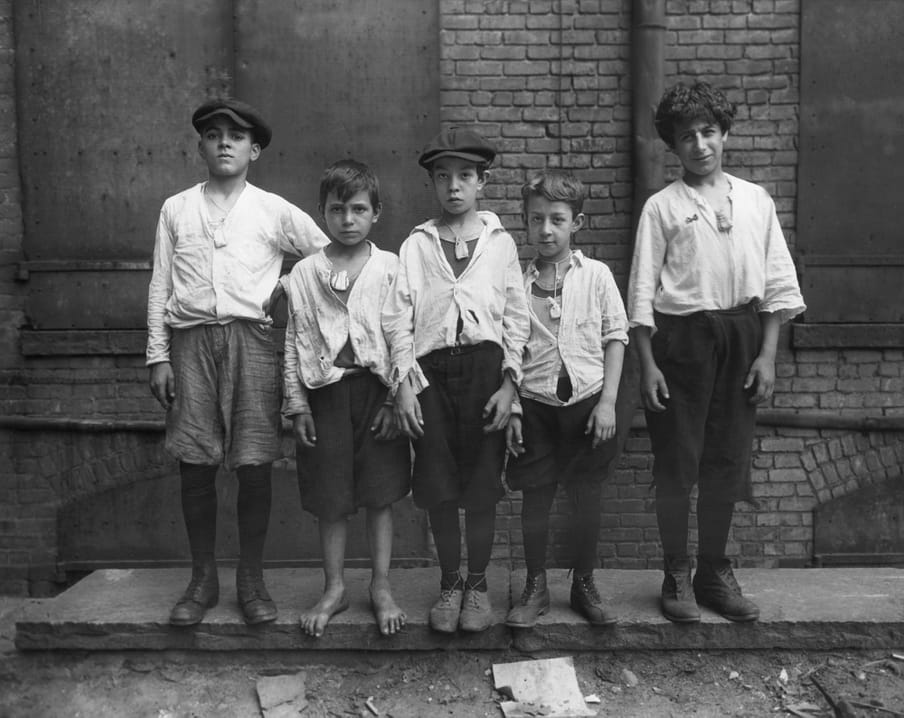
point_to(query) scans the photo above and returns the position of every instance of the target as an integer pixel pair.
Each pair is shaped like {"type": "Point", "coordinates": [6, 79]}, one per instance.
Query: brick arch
{"type": "Point", "coordinates": [842, 463]}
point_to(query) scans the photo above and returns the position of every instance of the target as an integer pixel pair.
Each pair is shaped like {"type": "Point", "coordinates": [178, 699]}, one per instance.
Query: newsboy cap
{"type": "Point", "coordinates": [243, 114]}
{"type": "Point", "coordinates": [458, 142]}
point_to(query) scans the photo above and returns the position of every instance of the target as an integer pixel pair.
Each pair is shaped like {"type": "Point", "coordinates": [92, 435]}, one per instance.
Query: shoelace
{"type": "Point", "coordinates": [472, 600]}
{"type": "Point", "coordinates": [531, 588]}
{"type": "Point", "coordinates": [588, 588]}
{"type": "Point", "coordinates": [447, 596]}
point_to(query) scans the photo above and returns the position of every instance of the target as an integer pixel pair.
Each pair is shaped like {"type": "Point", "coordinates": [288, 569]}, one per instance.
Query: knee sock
{"type": "Point", "coordinates": [672, 517]}
{"type": "Point", "coordinates": [199, 509]}
{"type": "Point", "coordinates": [713, 525]}
{"type": "Point", "coordinates": [585, 526]}
{"type": "Point", "coordinates": [447, 537]}
{"type": "Point", "coordinates": [535, 506]}
{"type": "Point", "coordinates": [480, 525]}
{"type": "Point", "coordinates": [253, 509]}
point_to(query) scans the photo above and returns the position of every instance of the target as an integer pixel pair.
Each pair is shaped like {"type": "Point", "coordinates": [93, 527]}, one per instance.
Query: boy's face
{"type": "Point", "coordinates": [699, 144]}
{"type": "Point", "coordinates": [227, 148]}
{"type": "Point", "coordinates": [349, 222]}
{"type": "Point", "coordinates": [457, 184]}
{"type": "Point", "coordinates": [550, 226]}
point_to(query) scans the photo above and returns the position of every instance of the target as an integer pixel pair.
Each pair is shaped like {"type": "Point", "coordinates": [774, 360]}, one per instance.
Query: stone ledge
{"type": "Point", "coordinates": [801, 609]}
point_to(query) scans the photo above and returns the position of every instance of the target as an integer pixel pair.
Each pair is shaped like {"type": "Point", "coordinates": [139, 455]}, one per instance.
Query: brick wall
{"type": "Point", "coordinates": [550, 82]}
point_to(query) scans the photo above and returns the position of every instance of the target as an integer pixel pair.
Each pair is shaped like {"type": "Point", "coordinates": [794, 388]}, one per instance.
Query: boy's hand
{"type": "Point", "coordinates": [163, 383]}
{"type": "Point", "coordinates": [499, 408]}
{"type": "Point", "coordinates": [653, 390]}
{"type": "Point", "coordinates": [514, 439]}
{"type": "Point", "coordinates": [278, 293]}
{"type": "Point", "coordinates": [601, 423]}
{"type": "Point", "coordinates": [384, 426]}
{"type": "Point", "coordinates": [304, 430]}
{"type": "Point", "coordinates": [760, 381]}
{"type": "Point", "coordinates": [407, 411]}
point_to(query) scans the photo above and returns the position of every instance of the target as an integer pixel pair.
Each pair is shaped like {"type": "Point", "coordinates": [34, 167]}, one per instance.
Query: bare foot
{"type": "Point", "coordinates": [314, 621]}
{"type": "Point", "coordinates": [390, 618]}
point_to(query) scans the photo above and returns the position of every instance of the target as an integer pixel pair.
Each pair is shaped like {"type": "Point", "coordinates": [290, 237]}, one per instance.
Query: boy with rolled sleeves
{"type": "Point", "coordinates": [336, 376]}
{"type": "Point", "coordinates": [572, 368]}
{"type": "Point", "coordinates": [456, 322]}
{"type": "Point", "coordinates": [712, 281]}
{"type": "Point", "coordinates": [213, 365]}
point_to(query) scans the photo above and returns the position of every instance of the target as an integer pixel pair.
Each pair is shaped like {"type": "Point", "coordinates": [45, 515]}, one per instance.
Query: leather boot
{"type": "Point", "coordinates": [586, 600]}
{"type": "Point", "coordinates": [533, 604]}
{"type": "Point", "coordinates": [677, 600]}
{"type": "Point", "coordinates": [254, 600]}
{"type": "Point", "coordinates": [716, 587]}
{"type": "Point", "coordinates": [202, 593]}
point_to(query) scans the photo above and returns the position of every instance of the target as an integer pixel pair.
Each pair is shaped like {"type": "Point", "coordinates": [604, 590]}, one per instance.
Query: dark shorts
{"type": "Point", "coordinates": [706, 433]}
{"type": "Point", "coordinates": [349, 469]}
{"type": "Point", "coordinates": [454, 459]}
{"type": "Point", "coordinates": [557, 451]}
{"type": "Point", "coordinates": [228, 395]}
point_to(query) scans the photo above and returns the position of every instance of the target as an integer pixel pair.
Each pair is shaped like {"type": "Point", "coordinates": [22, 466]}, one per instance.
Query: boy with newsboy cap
{"type": "Point", "coordinates": [213, 365]}
{"type": "Point", "coordinates": [456, 322]}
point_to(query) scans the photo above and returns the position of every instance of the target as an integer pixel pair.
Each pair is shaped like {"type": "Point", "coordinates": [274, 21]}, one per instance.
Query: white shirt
{"type": "Point", "coordinates": [684, 264]}
{"type": "Point", "coordinates": [209, 274]}
{"type": "Point", "coordinates": [592, 315]}
{"type": "Point", "coordinates": [320, 324]}
{"type": "Point", "coordinates": [422, 312]}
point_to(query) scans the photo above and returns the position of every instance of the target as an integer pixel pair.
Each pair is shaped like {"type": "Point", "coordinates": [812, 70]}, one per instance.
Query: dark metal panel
{"type": "Point", "coordinates": [851, 156]}
{"type": "Point", "coordinates": [112, 299]}
{"type": "Point", "coordinates": [344, 78]}
{"type": "Point", "coordinates": [105, 92]}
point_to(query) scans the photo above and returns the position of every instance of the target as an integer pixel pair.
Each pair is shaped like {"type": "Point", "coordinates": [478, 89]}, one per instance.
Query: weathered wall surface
{"type": "Point", "coordinates": [550, 83]}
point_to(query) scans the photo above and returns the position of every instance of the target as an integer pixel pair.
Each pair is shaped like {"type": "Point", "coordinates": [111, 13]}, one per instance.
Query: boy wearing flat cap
{"type": "Point", "coordinates": [213, 366]}
{"type": "Point", "coordinates": [456, 322]}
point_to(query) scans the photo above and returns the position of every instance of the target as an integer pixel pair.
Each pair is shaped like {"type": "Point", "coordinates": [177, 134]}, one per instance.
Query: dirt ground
{"type": "Point", "coordinates": [460, 685]}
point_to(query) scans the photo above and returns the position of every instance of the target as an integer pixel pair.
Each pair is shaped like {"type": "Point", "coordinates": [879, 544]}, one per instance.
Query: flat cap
{"type": "Point", "coordinates": [243, 114]}
{"type": "Point", "coordinates": [458, 142]}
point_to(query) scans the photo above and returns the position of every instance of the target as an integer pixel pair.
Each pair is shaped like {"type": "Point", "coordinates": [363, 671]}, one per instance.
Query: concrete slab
{"type": "Point", "coordinates": [801, 609]}
{"type": "Point", "coordinates": [128, 610]}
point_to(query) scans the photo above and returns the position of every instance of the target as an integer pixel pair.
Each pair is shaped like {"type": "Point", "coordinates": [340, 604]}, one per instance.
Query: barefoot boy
{"type": "Point", "coordinates": [337, 369]}
{"type": "Point", "coordinates": [212, 358]}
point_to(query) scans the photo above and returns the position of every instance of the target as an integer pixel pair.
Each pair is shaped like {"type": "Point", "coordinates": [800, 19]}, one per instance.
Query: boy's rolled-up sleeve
{"type": "Point", "coordinates": [615, 319]}
{"type": "Point", "coordinates": [301, 235]}
{"type": "Point", "coordinates": [295, 400]}
{"type": "Point", "coordinates": [515, 318]}
{"type": "Point", "coordinates": [397, 319]}
{"type": "Point", "coordinates": [646, 266]}
{"type": "Point", "coordinates": [782, 293]}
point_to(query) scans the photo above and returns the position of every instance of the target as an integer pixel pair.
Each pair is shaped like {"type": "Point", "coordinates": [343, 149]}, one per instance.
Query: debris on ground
{"type": "Point", "coordinates": [282, 696]}
{"type": "Point", "coordinates": [547, 688]}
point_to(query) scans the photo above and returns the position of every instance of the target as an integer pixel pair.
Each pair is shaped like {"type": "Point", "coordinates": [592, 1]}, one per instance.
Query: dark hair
{"type": "Point", "coordinates": [346, 178]}
{"type": "Point", "coordinates": [479, 167]}
{"type": "Point", "coordinates": [682, 104]}
{"type": "Point", "coordinates": [556, 186]}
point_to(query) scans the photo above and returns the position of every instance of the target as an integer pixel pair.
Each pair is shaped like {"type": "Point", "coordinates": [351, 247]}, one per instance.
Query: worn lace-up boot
{"type": "Point", "coordinates": [586, 600]}
{"type": "Point", "coordinates": [677, 602]}
{"type": "Point", "coordinates": [476, 611]}
{"type": "Point", "coordinates": [202, 593]}
{"type": "Point", "coordinates": [715, 587]}
{"type": "Point", "coordinates": [445, 612]}
{"type": "Point", "coordinates": [533, 604]}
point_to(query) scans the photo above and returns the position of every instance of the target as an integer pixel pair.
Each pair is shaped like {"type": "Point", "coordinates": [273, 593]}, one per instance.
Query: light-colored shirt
{"type": "Point", "coordinates": [592, 315]}
{"type": "Point", "coordinates": [209, 273]}
{"type": "Point", "coordinates": [684, 264]}
{"type": "Point", "coordinates": [422, 313]}
{"type": "Point", "coordinates": [321, 323]}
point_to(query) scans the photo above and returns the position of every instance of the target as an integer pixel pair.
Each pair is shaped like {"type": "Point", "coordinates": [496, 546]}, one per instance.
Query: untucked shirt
{"type": "Point", "coordinates": [592, 315]}
{"type": "Point", "coordinates": [321, 324]}
{"type": "Point", "coordinates": [423, 311]}
{"type": "Point", "coordinates": [208, 273]}
{"type": "Point", "coordinates": [684, 264]}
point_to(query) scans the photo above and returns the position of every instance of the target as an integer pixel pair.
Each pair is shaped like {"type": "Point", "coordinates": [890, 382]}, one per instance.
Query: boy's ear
{"type": "Point", "coordinates": [255, 151]}
{"type": "Point", "coordinates": [483, 179]}
{"type": "Point", "coordinates": [578, 222]}
{"type": "Point", "coordinates": [377, 210]}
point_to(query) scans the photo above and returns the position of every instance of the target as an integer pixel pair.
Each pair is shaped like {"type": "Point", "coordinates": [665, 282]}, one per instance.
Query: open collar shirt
{"type": "Point", "coordinates": [592, 315]}
{"type": "Point", "coordinates": [684, 264]}
{"type": "Point", "coordinates": [427, 300]}
{"type": "Point", "coordinates": [207, 273]}
{"type": "Point", "coordinates": [320, 324]}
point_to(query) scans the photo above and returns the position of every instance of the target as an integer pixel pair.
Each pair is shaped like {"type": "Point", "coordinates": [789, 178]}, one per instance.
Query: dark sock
{"type": "Point", "coordinates": [199, 509]}
{"type": "Point", "coordinates": [672, 517]}
{"type": "Point", "coordinates": [535, 507]}
{"type": "Point", "coordinates": [585, 526]}
{"type": "Point", "coordinates": [479, 529]}
{"type": "Point", "coordinates": [253, 509]}
{"type": "Point", "coordinates": [446, 536]}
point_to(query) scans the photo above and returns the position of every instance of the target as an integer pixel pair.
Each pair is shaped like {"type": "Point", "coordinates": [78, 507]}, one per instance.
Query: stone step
{"type": "Point", "coordinates": [127, 609]}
